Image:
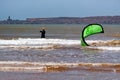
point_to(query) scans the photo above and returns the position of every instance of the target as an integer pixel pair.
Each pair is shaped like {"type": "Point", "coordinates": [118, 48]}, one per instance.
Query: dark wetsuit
{"type": "Point", "coordinates": [43, 33]}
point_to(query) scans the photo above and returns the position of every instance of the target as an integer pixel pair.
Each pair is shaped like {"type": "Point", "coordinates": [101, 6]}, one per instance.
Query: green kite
{"type": "Point", "coordinates": [90, 30]}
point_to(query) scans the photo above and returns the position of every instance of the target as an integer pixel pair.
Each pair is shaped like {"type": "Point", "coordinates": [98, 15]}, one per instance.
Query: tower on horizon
{"type": "Point", "coordinates": [9, 19]}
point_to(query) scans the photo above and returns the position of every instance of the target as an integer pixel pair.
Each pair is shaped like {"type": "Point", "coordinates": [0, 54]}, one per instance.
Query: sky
{"type": "Point", "coordinates": [22, 9]}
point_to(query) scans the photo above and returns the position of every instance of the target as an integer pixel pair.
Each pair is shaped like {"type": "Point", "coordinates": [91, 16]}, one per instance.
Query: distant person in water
{"type": "Point", "coordinates": [42, 31]}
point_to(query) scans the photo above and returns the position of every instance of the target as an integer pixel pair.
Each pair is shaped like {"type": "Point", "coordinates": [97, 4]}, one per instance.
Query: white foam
{"type": "Point", "coordinates": [107, 48]}
{"type": "Point", "coordinates": [48, 43]}
{"type": "Point", "coordinates": [29, 41]}
{"type": "Point", "coordinates": [37, 43]}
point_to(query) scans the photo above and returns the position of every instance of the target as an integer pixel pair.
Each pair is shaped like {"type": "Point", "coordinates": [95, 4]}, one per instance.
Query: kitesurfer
{"type": "Point", "coordinates": [43, 33]}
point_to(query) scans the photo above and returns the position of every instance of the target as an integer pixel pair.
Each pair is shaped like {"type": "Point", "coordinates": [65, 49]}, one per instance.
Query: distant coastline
{"type": "Point", "coordinates": [66, 20]}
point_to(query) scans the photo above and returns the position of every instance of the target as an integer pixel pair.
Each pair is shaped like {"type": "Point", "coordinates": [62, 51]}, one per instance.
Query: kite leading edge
{"type": "Point", "coordinates": [90, 30]}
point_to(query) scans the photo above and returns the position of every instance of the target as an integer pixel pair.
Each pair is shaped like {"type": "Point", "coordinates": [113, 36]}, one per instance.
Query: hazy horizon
{"type": "Point", "coordinates": [55, 17]}
{"type": "Point", "coordinates": [22, 9]}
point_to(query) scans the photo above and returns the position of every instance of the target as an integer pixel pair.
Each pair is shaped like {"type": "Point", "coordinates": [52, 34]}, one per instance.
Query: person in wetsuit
{"type": "Point", "coordinates": [42, 33]}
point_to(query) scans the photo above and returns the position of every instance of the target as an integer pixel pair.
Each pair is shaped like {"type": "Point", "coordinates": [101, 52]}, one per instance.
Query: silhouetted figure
{"type": "Point", "coordinates": [43, 33]}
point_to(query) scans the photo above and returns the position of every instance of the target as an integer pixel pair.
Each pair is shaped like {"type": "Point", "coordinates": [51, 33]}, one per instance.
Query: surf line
{"type": "Point", "coordinates": [57, 67]}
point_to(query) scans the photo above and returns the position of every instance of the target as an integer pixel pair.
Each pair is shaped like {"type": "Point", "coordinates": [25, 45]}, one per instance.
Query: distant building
{"type": "Point", "coordinates": [9, 19]}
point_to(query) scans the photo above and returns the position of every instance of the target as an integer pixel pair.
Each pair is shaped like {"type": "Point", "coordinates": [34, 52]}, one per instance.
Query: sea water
{"type": "Point", "coordinates": [59, 56]}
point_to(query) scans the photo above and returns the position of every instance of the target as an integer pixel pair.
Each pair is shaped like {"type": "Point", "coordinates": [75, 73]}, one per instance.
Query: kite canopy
{"type": "Point", "coordinates": [90, 30]}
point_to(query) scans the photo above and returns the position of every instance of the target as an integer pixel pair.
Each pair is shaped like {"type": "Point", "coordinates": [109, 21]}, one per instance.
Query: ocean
{"type": "Point", "coordinates": [59, 56]}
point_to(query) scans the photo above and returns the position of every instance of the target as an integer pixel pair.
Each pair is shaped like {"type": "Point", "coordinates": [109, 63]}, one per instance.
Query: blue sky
{"type": "Point", "coordinates": [22, 9]}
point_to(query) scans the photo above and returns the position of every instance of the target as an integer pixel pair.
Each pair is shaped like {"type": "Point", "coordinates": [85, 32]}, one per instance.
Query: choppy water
{"type": "Point", "coordinates": [22, 43]}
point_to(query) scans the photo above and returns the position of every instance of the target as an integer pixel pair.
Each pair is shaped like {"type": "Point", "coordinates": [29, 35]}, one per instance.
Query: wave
{"type": "Point", "coordinates": [57, 67]}
{"type": "Point", "coordinates": [38, 43]}
{"type": "Point", "coordinates": [106, 45]}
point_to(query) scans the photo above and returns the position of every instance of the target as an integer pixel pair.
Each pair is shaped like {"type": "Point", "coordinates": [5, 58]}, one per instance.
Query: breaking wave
{"type": "Point", "coordinates": [57, 67]}
{"type": "Point", "coordinates": [38, 43]}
